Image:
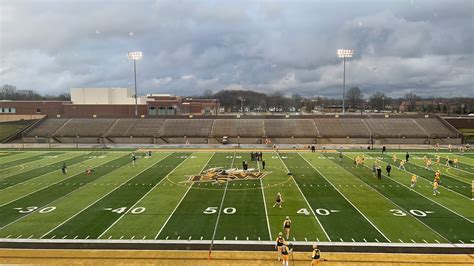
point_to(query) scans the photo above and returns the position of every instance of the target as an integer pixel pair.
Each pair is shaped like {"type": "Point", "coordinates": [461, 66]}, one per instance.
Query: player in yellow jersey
{"type": "Point", "coordinates": [428, 164]}
{"type": "Point", "coordinates": [437, 178]}
{"type": "Point", "coordinates": [394, 158]}
{"type": "Point", "coordinates": [435, 188]}
{"type": "Point", "coordinates": [438, 160]}
{"type": "Point", "coordinates": [287, 226]}
{"type": "Point", "coordinates": [413, 181]}
{"type": "Point", "coordinates": [279, 243]}
{"type": "Point", "coordinates": [315, 256]}
{"type": "Point", "coordinates": [401, 166]}
{"type": "Point", "coordinates": [456, 163]}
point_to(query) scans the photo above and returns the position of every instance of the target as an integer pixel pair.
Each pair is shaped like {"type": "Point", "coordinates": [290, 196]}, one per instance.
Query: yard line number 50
{"type": "Point", "coordinates": [213, 210]}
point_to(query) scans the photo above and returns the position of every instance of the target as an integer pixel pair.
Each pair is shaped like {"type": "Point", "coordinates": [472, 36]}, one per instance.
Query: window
{"type": "Point", "coordinates": [7, 110]}
{"type": "Point", "coordinates": [38, 110]}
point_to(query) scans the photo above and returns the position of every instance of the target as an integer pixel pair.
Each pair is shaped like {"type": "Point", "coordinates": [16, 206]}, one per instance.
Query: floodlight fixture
{"type": "Point", "coordinates": [134, 55]}
{"type": "Point", "coordinates": [344, 53]}
{"type": "Point", "coordinates": [137, 55]}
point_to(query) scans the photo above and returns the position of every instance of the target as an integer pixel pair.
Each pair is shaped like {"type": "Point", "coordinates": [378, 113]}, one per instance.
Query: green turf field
{"type": "Point", "coordinates": [327, 199]}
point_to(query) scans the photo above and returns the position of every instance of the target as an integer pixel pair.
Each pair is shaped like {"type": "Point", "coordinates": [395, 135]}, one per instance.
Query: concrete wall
{"type": "Point", "coordinates": [102, 96]}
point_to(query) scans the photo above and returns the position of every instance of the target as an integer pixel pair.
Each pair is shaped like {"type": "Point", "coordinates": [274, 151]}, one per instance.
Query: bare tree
{"type": "Point", "coordinates": [354, 96]}
{"type": "Point", "coordinates": [411, 98]}
{"type": "Point", "coordinates": [377, 101]}
{"type": "Point", "coordinates": [207, 94]}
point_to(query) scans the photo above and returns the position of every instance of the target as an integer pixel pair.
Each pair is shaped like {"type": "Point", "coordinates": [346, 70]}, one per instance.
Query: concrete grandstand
{"type": "Point", "coordinates": [378, 129]}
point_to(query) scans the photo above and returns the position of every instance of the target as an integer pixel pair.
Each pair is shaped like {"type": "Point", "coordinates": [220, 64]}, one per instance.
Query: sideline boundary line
{"type": "Point", "coordinates": [307, 203]}
{"type": "Point", "coordinates": [182, 198]}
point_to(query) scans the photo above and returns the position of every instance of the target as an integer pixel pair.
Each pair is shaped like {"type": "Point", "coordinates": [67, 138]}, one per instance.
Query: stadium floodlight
{"type": "Point", "coordinates": [135, 56]}
{"type": "Point", "coordinates": [344, 53]}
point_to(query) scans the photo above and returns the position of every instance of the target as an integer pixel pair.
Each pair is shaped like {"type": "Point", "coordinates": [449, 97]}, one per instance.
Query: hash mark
{"type": "Point", "coordinates": [76, 237]}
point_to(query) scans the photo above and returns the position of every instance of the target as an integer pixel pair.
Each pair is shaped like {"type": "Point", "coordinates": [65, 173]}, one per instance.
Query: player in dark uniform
{"type": "Point", "coordinates": [278, 201]}
{"type": "Point", "coordinates": [134, 158]}
{"type": "Point", "coordinates": [388, 169]}
{"type": "Point", "coordinates": [64, 169]}
{"type": "Point", "coordinates": [287, 226]}
{"type": "Point", "coordinates": [279, 243]}
{"type": "Point", "coordinates": [285, 252]}
{"type": "Point", "coordinates": [316, 256]}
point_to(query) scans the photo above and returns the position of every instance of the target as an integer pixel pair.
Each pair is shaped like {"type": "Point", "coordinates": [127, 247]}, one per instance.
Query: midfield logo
{"type": "Point", "coordinates": [219, 174]}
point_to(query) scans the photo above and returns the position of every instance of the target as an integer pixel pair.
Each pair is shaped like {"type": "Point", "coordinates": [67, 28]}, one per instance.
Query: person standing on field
{"type": "Point", "coordinates": [315, 256]}
{"type": "Point", "coordinates": [287, 226]}
{"type": "Point", "coordinates": [64, 169]}
{"type": "Point", "coordinates": [388, 169]}
{"type": "Point", "coordinates": [263, 164]}
{"type": "Point", "coordinates": [379, 172]}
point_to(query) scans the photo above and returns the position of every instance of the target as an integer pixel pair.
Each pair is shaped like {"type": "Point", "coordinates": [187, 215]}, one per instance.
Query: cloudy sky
{"type": "Point", "coordinates": [425, 47]}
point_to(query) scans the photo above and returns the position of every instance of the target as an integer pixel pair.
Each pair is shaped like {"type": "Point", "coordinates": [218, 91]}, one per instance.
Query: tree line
{"type": "Point", "coordinates": [251, 101]}
{"type": "Point", "coordinates": [10, 92]}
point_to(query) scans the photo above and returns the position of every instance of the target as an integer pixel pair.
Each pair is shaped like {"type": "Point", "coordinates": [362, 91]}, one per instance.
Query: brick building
{"type": "Point", "coordinates": [112, 102]}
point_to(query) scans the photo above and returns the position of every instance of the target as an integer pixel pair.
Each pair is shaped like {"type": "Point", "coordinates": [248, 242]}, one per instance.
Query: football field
{"type": "Point", "coordinates": [155, 198]}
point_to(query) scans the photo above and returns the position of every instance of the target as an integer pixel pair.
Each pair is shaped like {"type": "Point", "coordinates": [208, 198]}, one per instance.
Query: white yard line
{"type": "Point", "coordinates": [39, 208]}
{"type": "Point", "coordinates": [59, 181]}
{"type": "Point", "coordinates": [307, 203]}
{"type": "Point", "coordinates": [182, 198]}
{"type": "Point", "coordinates": [48, 173]}
{"type": "Point", "coordinates": [265, 204]}
{"type": "Point", "coordinates": [409, 213]}
{"type": "Point", "coordinates": [88, 206]}
{"type": "Point", "coordinates": [218, 216]}
{"type": "Point", "coordinates": [146, 194]}
{"type": "Point", "coordinates": [422, 195]}
{"type": "Point", "coordinates": [220, 210]}
{"type": "Point", "coordinates": [346, 198]}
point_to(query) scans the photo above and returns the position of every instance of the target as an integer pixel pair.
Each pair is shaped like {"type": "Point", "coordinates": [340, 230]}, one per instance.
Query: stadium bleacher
{"type": "Point", "coordinates": [281, 128]}
{"type": "Point", "coordinates": [90, 127]}
{"type": "Point", "coordinates": [238, 128]}
{"type": "Point", "coordinates": [417, 128]}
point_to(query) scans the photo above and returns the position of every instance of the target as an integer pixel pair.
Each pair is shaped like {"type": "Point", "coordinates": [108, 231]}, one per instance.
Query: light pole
{"type": "Point", "coordinates": [344, 53]}
{"type": "Point", "coordinates": [242, 100]}
{"type": "Point", "coordinates": [135, 56]}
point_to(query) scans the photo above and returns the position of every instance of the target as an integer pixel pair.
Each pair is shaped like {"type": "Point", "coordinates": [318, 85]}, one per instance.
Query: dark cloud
{"type": "Point", "coordinates": [425, 47]}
